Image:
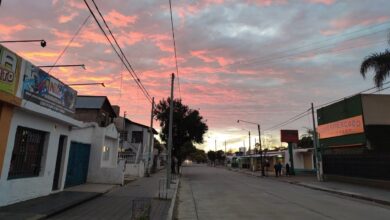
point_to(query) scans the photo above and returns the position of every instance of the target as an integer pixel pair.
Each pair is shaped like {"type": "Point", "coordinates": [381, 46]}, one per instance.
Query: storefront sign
{"type": "Point", "coordinates": [45, 90]}
{"type": "Point", "coordinates": [289, 136]}
{"type": "Point", "coordinates": [353, 125]}
{"type": "Point", "coordinates": [9, 71]}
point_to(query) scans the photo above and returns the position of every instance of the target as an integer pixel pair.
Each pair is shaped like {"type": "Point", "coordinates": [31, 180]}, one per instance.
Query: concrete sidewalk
{"type": "Point", "coordinates": [378, 195]}
{"type": "Point", "coordinates": [46, 206]}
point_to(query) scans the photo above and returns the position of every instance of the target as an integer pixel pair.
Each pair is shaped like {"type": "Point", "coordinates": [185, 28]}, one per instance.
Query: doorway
{"type": "Point", "coordinates": [56, 179]}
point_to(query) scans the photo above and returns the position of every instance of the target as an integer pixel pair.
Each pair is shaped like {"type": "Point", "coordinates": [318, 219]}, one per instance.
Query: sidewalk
{"type": "Point", "coordinates": [96, 201]}
{"type": "Point", "coordinates": [378, 195]}
{"type": "Point", "coordinates": [45, 206]}
{"type": "Point", "coordinates": [119, 203]}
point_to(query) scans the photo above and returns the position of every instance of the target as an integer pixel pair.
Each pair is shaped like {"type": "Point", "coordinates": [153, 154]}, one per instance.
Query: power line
{"type": "Point", "coordinates": [70, 42]}
{"type": "Point", "coordinates": [285, 54]}
{"type": "Point", "coordinates": [123, 55]}
{"type": "Point", "coordinates": [289, 121]}
{"type": "Point", "coordinates": [174, 47]}
{"type": "Point", "coordinates": [313, 43]}
{"type": "Point", "coordinates": [127, 63]}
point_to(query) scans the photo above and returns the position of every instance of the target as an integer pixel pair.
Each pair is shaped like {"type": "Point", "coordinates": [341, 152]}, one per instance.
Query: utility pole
{"type": "Point", "coordinates": [150, 150]}
{"type": "Point", "coordinates": [315, 144]}
{"type": "Point", "coordinates": [170, 135]}
{"type": "Point", "coordinates": [225, 147]}
{"type": "Point", "coordinates": [215, 146]}
{"type": "Point", "coordinates": [123, 130]}
{"type": "Point", "coordinates": [249, 133]}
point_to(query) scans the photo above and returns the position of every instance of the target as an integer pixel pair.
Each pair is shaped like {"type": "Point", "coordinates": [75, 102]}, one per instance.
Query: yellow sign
{"type": "Point", "coordinates": [9, 71]}
{"type": "Point", "coordinates": [343, 127]}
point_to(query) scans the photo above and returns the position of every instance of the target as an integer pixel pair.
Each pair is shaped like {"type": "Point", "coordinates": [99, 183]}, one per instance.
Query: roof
{"type": "Point", "coordinates": [141, 125]}
{"type": "Point", "coordinates": [93, 102]}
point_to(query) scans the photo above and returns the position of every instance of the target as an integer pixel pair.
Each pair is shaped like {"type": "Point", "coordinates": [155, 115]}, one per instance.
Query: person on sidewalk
{"type": "Point", "coordinates": [276, 170]}
{"type": "Point", "coordinates": [287, 169]}
{"type": "Point", "coordinates": [279, 169]}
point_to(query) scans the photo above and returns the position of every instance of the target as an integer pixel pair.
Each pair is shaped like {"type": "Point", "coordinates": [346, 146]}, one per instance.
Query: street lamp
{"type": "Point", "coordinates": [87, 84]}
{"type": "Point", "coordinates": [260, 147]}
{"type": "Point", "coordinates": [43, 42]}
{"type": "Point", "coordinates": [64, 65]}
{"type": "Point", "coordinates": [249, 134]}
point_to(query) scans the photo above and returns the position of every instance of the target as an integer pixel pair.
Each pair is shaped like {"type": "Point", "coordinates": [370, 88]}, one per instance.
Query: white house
{"type": "Point", "coordinates": [136, 147]}
{"type": "Point", "coordinates": [303, 159]}
{"type": "Point", "coordinates": [38, 139]}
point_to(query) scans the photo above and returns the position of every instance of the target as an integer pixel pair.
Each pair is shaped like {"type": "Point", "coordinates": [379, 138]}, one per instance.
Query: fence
{"type": "Point", "coordinates": [128, 156]}
{"type": "Point", "coordinates": [373, 166]}
{"type": "Point", "coordinates": [141, 209]}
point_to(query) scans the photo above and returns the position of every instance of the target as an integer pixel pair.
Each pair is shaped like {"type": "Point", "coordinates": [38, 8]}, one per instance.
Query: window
{"type": "Point", "coordinates": [27, 153]}
{"type": "Point", "coordinates": [136, 137]}
{"type": "Point", "coordinates": [10, 61]}
{"type": "Point", "coordinates": [106, 153]}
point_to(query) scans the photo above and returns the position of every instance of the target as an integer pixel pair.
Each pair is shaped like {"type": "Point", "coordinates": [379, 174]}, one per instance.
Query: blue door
{"type": "Point", "coordinates": [77, 171]}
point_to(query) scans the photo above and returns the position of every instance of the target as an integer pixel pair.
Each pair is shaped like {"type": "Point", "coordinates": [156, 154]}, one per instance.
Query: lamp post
{"type": "Point", "coordinates": [63, 65]}
{"type": "Point", "coordinates": [87, 84]}
{"type": "Point", "coordinates": [260, 147]}
{"type": "Point", "coordinates": [43, 42]}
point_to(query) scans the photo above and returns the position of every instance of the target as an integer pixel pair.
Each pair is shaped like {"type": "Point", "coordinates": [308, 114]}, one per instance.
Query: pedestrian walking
{"type": "Point", "coordinates": [279, 168]}
{"type": "Point", "coordinates": [287, 169]}
{"type": "Point", "coordinates": [276, 170]}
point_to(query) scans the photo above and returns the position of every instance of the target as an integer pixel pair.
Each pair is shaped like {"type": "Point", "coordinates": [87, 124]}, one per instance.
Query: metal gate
{"type": "Point", "coordinates": [77, 164]}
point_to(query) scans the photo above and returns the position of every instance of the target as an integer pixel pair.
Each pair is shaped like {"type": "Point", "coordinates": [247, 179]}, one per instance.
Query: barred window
{"type": "Point", "coordinates": [136, 137]}
{"type": "Point", "coordinates": [27, 153]}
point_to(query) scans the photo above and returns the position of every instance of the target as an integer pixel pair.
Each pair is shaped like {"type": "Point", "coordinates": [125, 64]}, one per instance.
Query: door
{"type": "Point", "coordinates": [77, 164]}
{"type": "Point", "coordinates": [61, 143]}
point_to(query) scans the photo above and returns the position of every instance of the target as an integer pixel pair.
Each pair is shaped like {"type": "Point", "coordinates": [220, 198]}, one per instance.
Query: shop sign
{"type": "Point", "coordinates": [45, 90]}
{"type": "Point", "coordinates": [353, 125]}
{"type": "Point", "coordinates": [9, 70]}
{"type": "Point", "coordinates": [289, 136]}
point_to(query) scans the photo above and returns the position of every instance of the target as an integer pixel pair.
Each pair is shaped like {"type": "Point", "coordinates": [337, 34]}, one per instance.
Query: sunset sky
{"type": "Point", "coordinates": [256, 60]}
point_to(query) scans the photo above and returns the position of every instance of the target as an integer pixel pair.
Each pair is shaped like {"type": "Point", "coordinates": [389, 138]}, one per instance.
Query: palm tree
{"type": "Point", "coordinates": [380, 63]}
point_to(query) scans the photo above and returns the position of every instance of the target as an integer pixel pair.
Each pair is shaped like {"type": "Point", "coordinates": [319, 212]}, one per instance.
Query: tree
{"type": "Point", "coordinates": [199, 156]}
{"type": "Point", "coordinates": [380, 63]}
{"type": "Point", "coordinates": [188, 127]}
{"type": "Point", "coordinates": [305, 142]}
{"type": "Point", "coordinates": [212, 156]}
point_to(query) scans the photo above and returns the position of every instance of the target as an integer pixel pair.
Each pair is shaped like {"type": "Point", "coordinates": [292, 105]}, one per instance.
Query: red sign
{"type": "Point", "coordinates": [289, 136]}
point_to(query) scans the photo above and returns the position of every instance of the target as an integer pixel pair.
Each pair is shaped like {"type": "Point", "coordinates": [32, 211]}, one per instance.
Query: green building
{"type": "Point", "coordinates": [354, 137]}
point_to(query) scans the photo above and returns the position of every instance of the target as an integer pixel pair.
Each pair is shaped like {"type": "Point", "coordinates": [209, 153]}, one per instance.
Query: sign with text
{"type": "Point", "coordinates": [289, 136]}
{"type": "Point", "coordinates": [9, 70]}
{"type": "Point", "coordinates": [353, 125]}
{"type": "Point", "coordinates": [45, 90]}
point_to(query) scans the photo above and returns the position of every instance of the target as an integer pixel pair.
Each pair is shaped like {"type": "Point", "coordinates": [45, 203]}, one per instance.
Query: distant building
{"type": "Point", "coordinates": [95, 109]}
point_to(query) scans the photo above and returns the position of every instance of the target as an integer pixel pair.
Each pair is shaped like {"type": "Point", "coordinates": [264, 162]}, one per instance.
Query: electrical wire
{"type": "Point", "coordinates": [134, 74]}
{"type": "Point", "coordinates": [70, 42]}
{"type": "Point", "coordinates": [253, 60]}
{"type": "Point", "coordinates": [174, 48]}
{"type": "Point", "coordinates": [127, 63]}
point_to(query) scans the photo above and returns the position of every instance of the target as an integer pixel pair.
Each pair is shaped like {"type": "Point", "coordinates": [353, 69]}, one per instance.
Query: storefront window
{"type": "Point", "coordinates": [27, 153]}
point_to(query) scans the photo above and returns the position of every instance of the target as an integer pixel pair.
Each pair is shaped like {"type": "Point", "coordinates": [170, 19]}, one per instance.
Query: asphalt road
{"type": "Point", "coordinates": [216, 193]}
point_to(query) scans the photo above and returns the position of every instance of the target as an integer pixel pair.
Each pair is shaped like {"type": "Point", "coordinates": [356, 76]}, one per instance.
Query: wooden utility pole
{"type": "Point", "coordinates": [169, 156]}
{"type": "Point", "coordinates": [150, 149]}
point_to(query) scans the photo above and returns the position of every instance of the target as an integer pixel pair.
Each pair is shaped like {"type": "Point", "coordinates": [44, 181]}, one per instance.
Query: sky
{"type": "Point", "coordinates": [261, 61]}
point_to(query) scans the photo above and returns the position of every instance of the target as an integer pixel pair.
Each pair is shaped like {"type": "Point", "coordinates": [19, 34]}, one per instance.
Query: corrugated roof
{"type": "Point", "coordinates": [90, 102]}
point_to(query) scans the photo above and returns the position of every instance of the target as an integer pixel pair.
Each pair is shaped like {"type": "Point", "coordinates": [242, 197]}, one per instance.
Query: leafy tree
{"type": "Point", "coordinates": [212, 156]}
{"type": "Point", "coordinates": [188, 127]}
{"type": "Point", "coordinates": [305, 142]}
{"type": "Point", "coordinates": [220, 155]}
{"type": "Point", "coordinates": [199, 156]}
{"type": "Point", "coordinates": [157, 145]}
{"type": "Point", "coordinates": [380, 63]}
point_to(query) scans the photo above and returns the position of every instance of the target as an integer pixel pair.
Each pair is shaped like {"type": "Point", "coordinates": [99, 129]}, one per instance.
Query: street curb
{"type": "Point", "coordinates": [173, 201]}
{"type": "Point", "coordinates": [370, 199]}
{"type": "Point", "coordinates": [379, 201]}
{"type": "Point", "coordinates": [56, 212]}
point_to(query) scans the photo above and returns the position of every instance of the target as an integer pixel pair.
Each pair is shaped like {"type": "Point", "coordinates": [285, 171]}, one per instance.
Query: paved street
{"type": "Point", "coordinates": [215, 193]}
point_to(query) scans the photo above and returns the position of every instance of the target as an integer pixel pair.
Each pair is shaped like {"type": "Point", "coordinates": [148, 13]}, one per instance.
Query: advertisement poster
{"type": "Point", "coordinates": [45, 90]}
{"type": "Point", "coordinates": [9, 71]}
{"type": "Point", "coordinates": [353, 125]}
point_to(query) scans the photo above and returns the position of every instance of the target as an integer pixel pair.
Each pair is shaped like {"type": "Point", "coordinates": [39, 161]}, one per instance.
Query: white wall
{"type": "Point", "coordinates": [99, 170]}
{"type": "Point", "coordinates": [16, 190]}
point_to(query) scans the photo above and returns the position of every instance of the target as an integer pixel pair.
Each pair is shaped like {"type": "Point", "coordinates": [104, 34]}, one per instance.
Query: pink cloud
{"type": "Point", "coordinates": [325, 2]}
{"type": "Point", "coordinates": [11, 29]}
{"type": "Point", "coordinates": [338, 25]}
{"type": "Point", "coordinates": [119, 20]}
{"type": "Point", "coordinates": [66, 18]}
